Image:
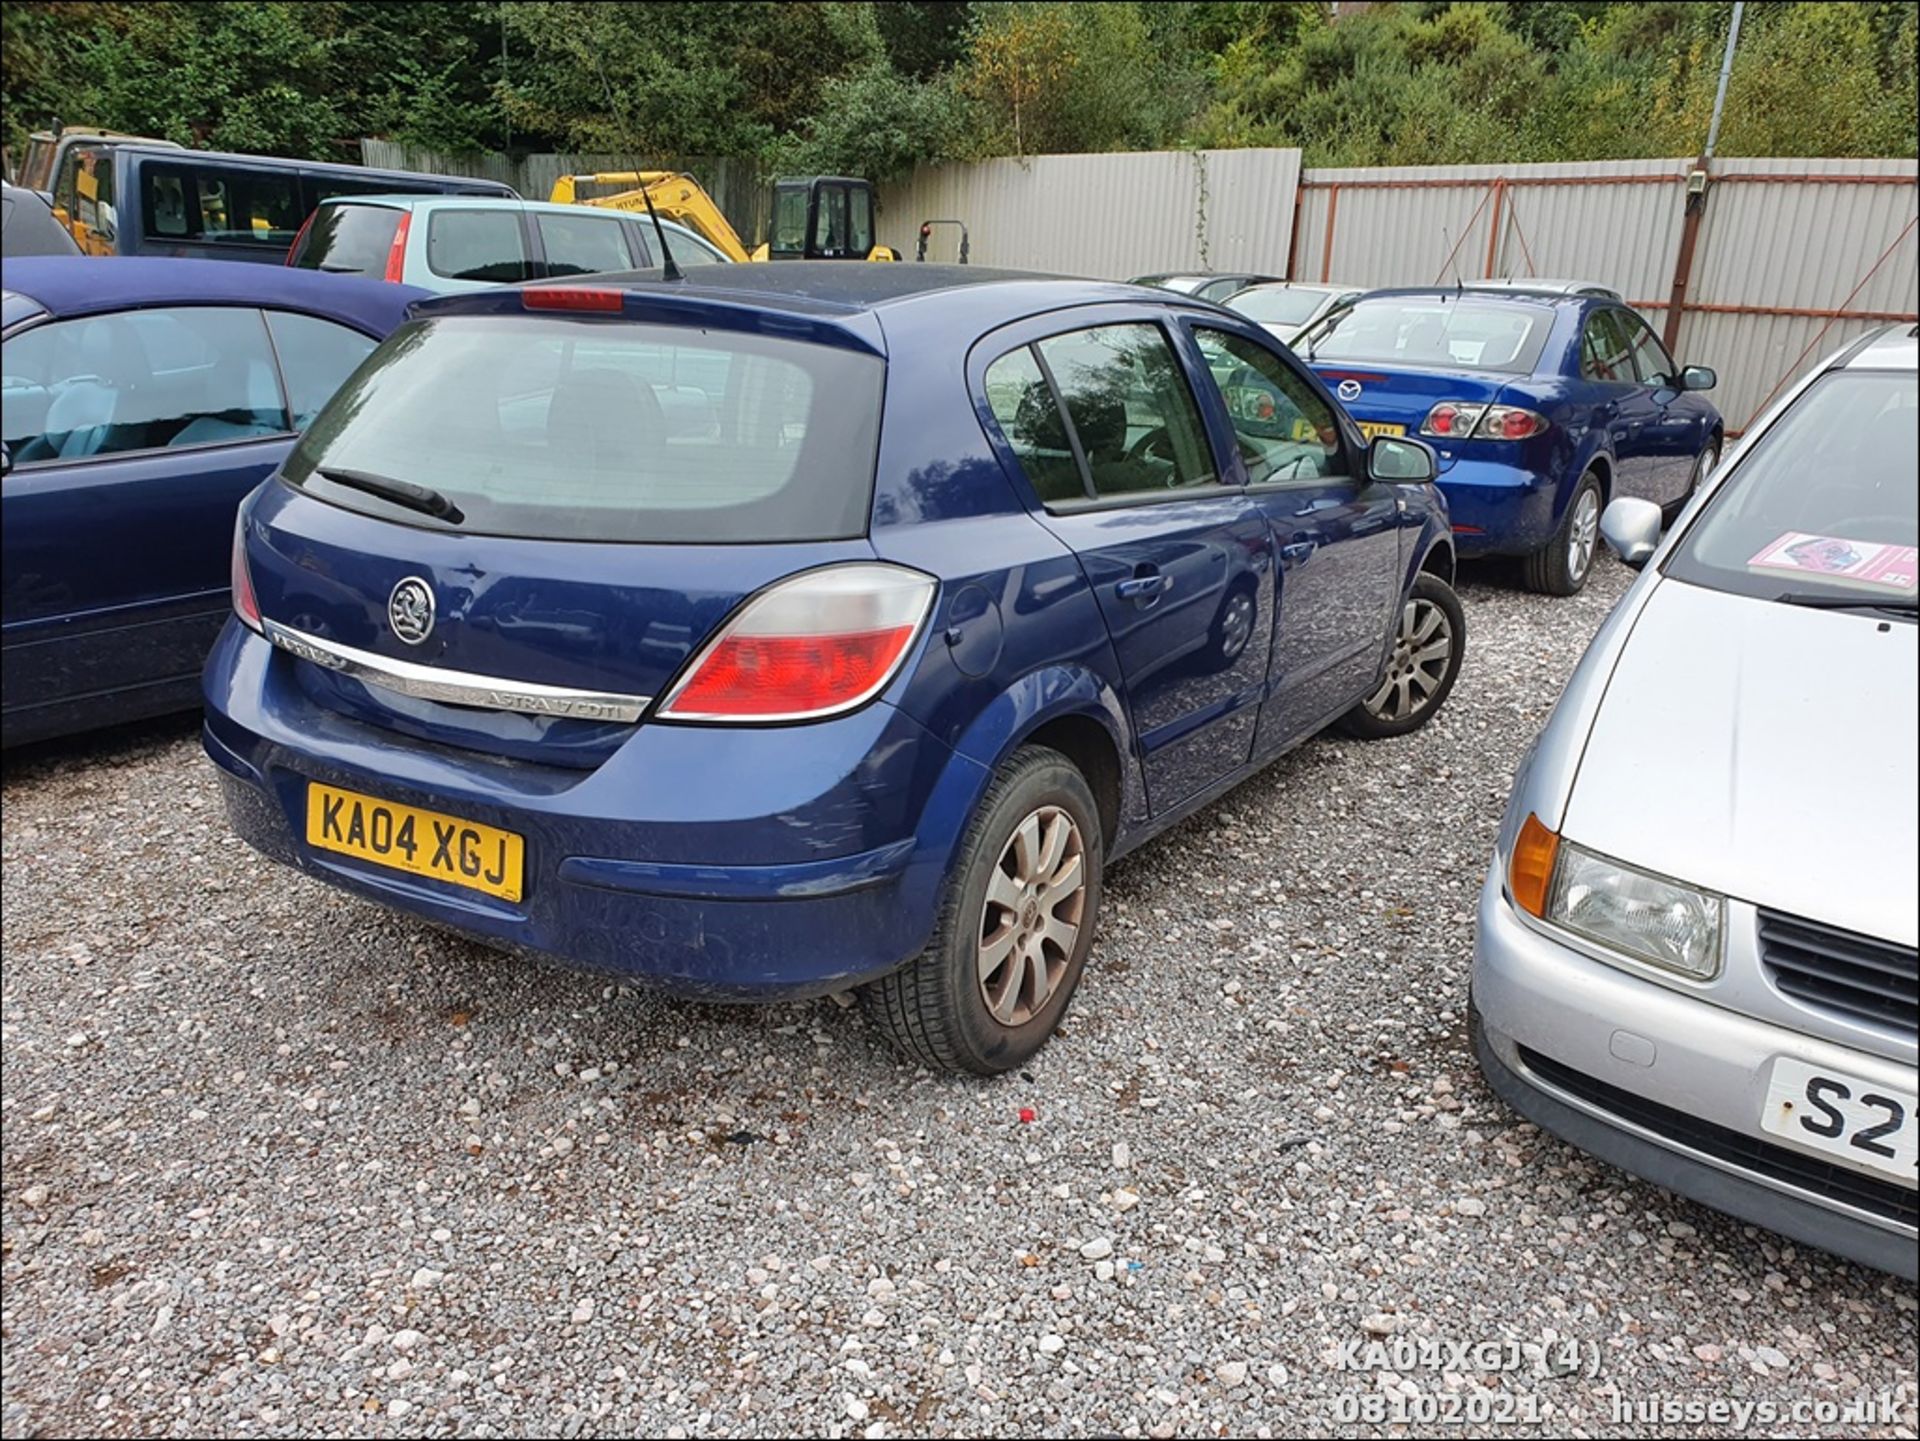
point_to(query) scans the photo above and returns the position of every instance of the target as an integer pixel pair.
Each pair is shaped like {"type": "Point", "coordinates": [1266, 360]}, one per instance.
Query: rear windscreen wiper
{"type": "Point", "coordinates": [1904, 604]}
{"type": "Point", "coordinates": [401, 492]}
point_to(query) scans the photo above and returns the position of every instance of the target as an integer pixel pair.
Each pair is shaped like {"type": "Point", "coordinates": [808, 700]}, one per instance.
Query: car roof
{"type": "Point", "coordinates": [936, 300]}
{"type": "Point", "coordinates": [402, 200]}
{"type": "Point", "coordinates": [1895, 348]}
{"type": "Point", "coordinates": [1548, 287]}
{"type": "Point", "coordinates": [28, 227]}
{"type": "Point", "coordinates": [1490, 297]}
{"type": "Point", "coordinates": [1330, 286]}
{"type": "Point", "coordinates": [164, 150]}
{"type": "Point", "coordinates": [87, 285]}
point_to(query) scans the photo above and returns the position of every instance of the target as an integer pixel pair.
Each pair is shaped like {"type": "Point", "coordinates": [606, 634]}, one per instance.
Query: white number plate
{"type": "Point", "coordinates": [1855, 1122]}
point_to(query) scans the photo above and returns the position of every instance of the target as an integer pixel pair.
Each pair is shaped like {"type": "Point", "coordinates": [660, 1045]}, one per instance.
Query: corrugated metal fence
{"type": "Point", "coordinates": [1791, 258]}
{"type": "Point", "coordinates": [739, 187]}
{"type": "Point", "coordinates": [1112, 216]}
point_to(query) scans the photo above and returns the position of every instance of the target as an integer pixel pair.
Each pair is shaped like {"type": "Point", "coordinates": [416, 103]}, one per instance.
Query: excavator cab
{"type": "Point", "coordinates": [824, 217]}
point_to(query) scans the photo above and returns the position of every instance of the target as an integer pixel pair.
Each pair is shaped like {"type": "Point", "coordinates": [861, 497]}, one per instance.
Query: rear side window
{"type": "Point", "coordinates": [349, 239]}
{"type": "Point", "coordinates": [315, 357]}
{"type": "Point", "coordinates": [686, 250]}
{"type": "Point", "coordinates": [208, 205]}
{"type": "Point", "coordinates": [1136, 431]}
{"type": "Point", "coordinates": [590, 430]}
{"type": "Point", "coordinates": [583, 244]}
{"type": "Point", "coordinates": [1604, 351]}
{"type": "Point", "coordinates": [476, 245]}
{"type": "Point", "coordinates": [145, 380]}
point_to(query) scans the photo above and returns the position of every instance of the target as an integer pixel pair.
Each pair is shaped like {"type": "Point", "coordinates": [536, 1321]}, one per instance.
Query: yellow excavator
{"type": "Point", "coordinates": [815, 217]}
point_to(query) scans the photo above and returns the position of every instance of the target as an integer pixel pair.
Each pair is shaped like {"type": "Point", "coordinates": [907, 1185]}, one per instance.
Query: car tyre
{"type": "Point", "coordinates": [1001, 968]}
{"type": "Point", "coordinates": [1562, 565]}
{"type": "Point", "coordinates": [1429, 645]}
{"type": "Point", "coordinates": [1702, 463]}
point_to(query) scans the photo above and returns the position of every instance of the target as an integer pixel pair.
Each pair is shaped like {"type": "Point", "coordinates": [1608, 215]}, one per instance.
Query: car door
{"type": "Point", "coordinates": [1672, 434]}
{"type": "Point", "coordinates": [1620, 404]}
{"type": "Point", "coordinates": [132, 437]}
{"type": "Point", "coordinates": [1336, 532]}
{"type": "Point", "coordinates": [1104, 422]}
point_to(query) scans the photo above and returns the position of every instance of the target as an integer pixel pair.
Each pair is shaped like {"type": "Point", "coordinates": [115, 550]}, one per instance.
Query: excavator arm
{"type": "Point", "coordinates": [675, 197]}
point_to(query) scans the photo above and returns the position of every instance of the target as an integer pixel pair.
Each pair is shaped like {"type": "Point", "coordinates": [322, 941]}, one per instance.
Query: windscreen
{"type": "Point", "coordinates": [606, 430]}
{"type": "Point", "coordinates": [1826, 502]}
{"type": "Point", "coordinates": [1276, 306]}
{"type": "Point", "coordinates": [1434, 333]}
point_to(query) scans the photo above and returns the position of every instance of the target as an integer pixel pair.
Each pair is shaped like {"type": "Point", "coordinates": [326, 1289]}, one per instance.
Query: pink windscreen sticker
{"type": "Point", "coordinates": [1896, 567]}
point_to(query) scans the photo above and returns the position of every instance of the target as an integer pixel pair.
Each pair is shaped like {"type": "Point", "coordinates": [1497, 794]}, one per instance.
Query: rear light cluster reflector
{"type": "Point", "coordinates": [811, 646]}
{"type": "Point", "coordinates": [397, 252]}
{"type": "Point", "coordinates": [244, 603]}
{"type": "Point", "coordinates": [1468, 420]}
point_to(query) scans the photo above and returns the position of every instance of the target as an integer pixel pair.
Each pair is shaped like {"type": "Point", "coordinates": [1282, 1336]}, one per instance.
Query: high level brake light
{"type": "Point", "coordinates": [570, 297]}
{"type": "Point", "coordinates": [1469, 420]}
{"type": "Point", "coordinates": [813, 645]}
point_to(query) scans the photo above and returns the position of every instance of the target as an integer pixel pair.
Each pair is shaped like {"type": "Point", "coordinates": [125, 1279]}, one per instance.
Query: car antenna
{"type": "Point", "coordinates": [668, 270]}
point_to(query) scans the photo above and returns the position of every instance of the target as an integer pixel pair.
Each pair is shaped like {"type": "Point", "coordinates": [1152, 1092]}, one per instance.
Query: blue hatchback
{"type": "Point", "coordinates": [1543, 405]}
{"type": "Point", "coordinates": [143, 399]}
{"type": "Point", "coordinates": [808, 627]}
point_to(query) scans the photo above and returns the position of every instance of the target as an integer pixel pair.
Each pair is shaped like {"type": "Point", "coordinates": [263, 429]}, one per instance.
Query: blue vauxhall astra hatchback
{"type": "Point", "coordinates": [811, 627]}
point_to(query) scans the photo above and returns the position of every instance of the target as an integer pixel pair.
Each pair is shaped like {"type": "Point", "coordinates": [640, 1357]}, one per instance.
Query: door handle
{"type": "Point", "coordinates": [1298, 551]}
{"type": "Point", "coordinates": [1143, 589]}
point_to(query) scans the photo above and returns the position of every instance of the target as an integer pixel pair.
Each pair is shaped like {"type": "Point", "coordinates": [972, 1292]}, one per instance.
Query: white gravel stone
{"type": "Point", "coordinates": [1098, 1249]}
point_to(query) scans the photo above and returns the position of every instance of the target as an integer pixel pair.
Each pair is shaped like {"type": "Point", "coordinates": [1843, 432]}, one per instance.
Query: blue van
{"type": "Point", "coordinates": [154, 200]}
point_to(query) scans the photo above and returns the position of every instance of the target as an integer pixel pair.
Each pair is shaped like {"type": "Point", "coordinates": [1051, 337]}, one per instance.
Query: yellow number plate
{"type": "Point", "coordinates": [1371, 428]}
{"type": "Point", "coordinates": [422, 843]}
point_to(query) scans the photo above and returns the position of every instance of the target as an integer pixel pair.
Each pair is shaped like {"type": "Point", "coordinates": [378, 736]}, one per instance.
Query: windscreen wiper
{"type": "Point", "coordinates": [422, 498]}
{"type": "Point", "coordinates": [1903, 604]}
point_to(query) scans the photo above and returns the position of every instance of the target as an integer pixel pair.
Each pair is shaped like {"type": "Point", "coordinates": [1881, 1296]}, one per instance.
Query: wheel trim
{"type": "Point", "coordinates": [1422, 657]}
{"type": "Point", "coordinates": [1236, 627]}
{"type": "Point", "coordinates": [1583, 531]}
{"type": "Point", "coordinates": [1036, 903]}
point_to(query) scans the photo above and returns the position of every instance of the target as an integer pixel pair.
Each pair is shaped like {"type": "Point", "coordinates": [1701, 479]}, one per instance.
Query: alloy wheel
{"type": "Point", "coordinates": [1236, 626]}
{"type": "Point", "coordinates": [1422, 653]}
{"type": "Point", "coordinates": [1583, 532]}
{"type": "Point", "coordinates": [1036, 901]}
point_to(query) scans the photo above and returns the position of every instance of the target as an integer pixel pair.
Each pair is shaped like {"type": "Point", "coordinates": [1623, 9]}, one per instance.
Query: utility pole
{"type": "Point", "coordinates": [1726, 70]}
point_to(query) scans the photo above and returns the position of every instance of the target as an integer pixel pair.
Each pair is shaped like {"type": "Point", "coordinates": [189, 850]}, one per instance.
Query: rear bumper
{"type": "Point", "coordinates": [1499, 509]}
{"type": "Point", "coordinates": [1671, 1088]}
{"type": "Point", "coordinates": [719, 863]}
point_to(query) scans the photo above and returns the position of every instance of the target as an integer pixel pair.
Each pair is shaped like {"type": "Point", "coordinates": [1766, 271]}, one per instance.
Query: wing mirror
{"type": "Point", "coordinates": [1631, 528]}
{"type": "Point", "coordinates": [1398, 460]}
{"type": "Point", "coordinates": [6, 458]}
{"type": "Point", "coordinates": [1698, 377]}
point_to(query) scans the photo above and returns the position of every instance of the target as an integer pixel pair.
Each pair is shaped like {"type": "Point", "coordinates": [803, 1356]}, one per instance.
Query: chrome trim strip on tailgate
{"type": "Point", "coordinates": [457, 687]}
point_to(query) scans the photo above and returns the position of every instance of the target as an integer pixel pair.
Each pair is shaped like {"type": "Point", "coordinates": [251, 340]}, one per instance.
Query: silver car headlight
{"type": "Point", "coordinates": [1649, 917]}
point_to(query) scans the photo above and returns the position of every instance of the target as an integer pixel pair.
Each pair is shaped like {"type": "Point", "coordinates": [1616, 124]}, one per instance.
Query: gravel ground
{"type": "Point", "coordinates": [278, 1162]}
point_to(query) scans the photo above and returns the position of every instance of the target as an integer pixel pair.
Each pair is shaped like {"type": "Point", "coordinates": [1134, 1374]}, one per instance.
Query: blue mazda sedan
{"type": "Point", "coordinates": [807, 627]}
{"type": "Point", "coordinates": [143, 399]}
{"type": "Point", "coordinates": [1543, 405]}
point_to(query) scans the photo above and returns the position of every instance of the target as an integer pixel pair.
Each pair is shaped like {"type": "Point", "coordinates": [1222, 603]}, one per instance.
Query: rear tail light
{"type": "Point", "coordinates": [245, 605]}
{"type": "Point", "coordinates": [570, 297]}
{"type": "Point", "coordinates": [300, 236]}
{"type": "Point", "coordinates": [1462, 420]}
{"type": "Point", "coordinates": [811, 646]}
{"type": "Point", "coordinates": [397, 252]}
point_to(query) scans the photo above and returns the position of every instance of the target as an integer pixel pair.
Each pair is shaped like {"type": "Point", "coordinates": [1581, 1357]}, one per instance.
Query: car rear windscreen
{"type": "Point", "coordinates": [1435, 333]}
{"type": "Point", "coordinates": [349, 239]}
{"type": "Point", "coordinates": [1277, 306]}
{"type": "Point", "coordinates": [603, 430]}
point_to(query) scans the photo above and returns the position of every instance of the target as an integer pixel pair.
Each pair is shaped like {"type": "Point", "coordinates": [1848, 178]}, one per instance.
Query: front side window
{"type": "Point", "coordinates": [1284, 430]}
{"type": "Point", "coordinates": [1650, 359]}
{"type": "Point", "coordinates": [476, 245]}
{"type": "Point", "coordinates": [139, 381]}
{"type": "Point", "coordinates": [316, 357]}
{"type": "Point", "coordinates": [1605, 353]}
{"type": "Point", "coordinates": [584, 244]}
{"type": "Point", "coordinates": [1433, 333]}
{"type": "Point", "coordinates": [600, 431]}
{"type": "Point", "coordinates": [1824, 505]}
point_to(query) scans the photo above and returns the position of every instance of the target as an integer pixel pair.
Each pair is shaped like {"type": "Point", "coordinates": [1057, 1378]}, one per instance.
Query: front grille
{"type": "Point", "coordinates": [1837, 971]}
{"type": "Point", "coordinates": [1749, 1154]}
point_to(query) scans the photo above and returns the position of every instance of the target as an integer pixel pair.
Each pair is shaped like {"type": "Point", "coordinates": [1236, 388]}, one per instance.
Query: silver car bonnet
{"type": "Point", "coordinates": [1764, 751]}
